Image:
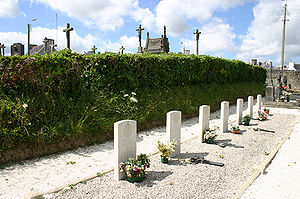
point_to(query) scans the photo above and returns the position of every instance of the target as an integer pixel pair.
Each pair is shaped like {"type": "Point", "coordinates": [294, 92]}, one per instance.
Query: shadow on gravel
{"type": "Point", "coordinates": [225, 143]}
{"type": "Point", "coordinates": [153, 176]}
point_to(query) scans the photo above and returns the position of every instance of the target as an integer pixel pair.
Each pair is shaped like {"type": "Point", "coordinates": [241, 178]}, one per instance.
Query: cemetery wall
{"type": "Point", "coordinates": [74, 99]}
{"type": "Point", "coordinates": [293, 78]}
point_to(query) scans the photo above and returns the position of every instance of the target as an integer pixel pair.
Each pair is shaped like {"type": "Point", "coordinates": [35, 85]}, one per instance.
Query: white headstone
{"type": "Point", "coordinates": [250, 106]}
{"type": "Point", "coordinates": [239, 111]}
{"type": "Point", "coordinates": [224, 116]}
{"type": "Point", "coordinates": [174, 129]}
{"type": "Point", "coordinates": [258, 102]}
{"type": "Point", "coordinates": [124, 144]}
{"type": "Point", "coordinates": [204, 114]}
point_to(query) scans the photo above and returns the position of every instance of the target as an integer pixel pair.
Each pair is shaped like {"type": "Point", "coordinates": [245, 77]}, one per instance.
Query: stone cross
{"type": "Point", "coordinates": [2, 47]}
{"type": "Point", "coordinates": [197, 33]}
{"type": "Point", "coordinates": [94, 49]}
{"type": "Point", "coordinates": [45, 45]}
{"type": "Point", "coordinates": [139, 30]}
{"type": "Point", "coordinates": [67, 31]}
{"type": "Point", "coordinates": [122, 49]}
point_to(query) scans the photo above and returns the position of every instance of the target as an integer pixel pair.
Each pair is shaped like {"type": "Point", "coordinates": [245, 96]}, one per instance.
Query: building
{"type": "Point", "coordinates": [17, 49]}
{"type": "Point", "coordinates": [293, 66]}
{"type": "Point", "coordinates": [157, 45]}
{"type": "Point", "coordinates": [46, 48]}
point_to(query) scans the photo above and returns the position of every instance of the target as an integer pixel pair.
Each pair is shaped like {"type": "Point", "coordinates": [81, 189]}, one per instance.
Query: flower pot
{"type": "Point", "coordinates": [246, 123]}
{"type": "Point", "coordinates": [287, 99]}
{"type": "Point", "coordinates": [134, 179]}
{"type": "Point", "coordinates": [164, 160]}
{"type": "Point", "coordinates": [209, 141]}
{"type": "Point", "coordinates": [267, 112]}
{"type": "Point", "coordinates": [281, 100]}
{"type": "Point", "coordinates": [235, 132]}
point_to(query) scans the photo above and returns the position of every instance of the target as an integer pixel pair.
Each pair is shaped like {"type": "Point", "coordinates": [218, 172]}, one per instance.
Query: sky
{"type": "Point", "coordinates": [232, 29]}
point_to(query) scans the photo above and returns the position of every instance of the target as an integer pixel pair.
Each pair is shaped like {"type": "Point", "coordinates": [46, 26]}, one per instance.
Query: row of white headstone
{"type": "Point", "coordinates": [125, 131]}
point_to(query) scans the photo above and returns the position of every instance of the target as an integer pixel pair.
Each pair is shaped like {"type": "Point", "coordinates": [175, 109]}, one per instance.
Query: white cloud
{"type": "Point", "coordinates": [216, 37]}
{"type": "Point", "coordinates": [9, 8]}
{"type": "Point", "coordinates": [105, 14]}
{"type": "Point", "coordinates": [129, 43]}
{"type": "Point", "coordinates": [263, 39]}
{"type": "Point", "coordinates": [175, 14]}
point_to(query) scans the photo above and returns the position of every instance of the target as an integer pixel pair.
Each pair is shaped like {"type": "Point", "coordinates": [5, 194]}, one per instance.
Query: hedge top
{"type": "Point", "coordinates": [128, 71]}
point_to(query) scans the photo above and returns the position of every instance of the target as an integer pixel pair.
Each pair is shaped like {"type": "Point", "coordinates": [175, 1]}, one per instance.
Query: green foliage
{"type": "Point", "coordinates": [64, 94]}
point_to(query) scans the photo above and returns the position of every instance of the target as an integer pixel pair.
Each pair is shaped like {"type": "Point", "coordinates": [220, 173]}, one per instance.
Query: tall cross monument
{"type": "Point", "coordinates": [122, 49]}
{"type": "Point", "coordinates": [67, 31]}
{"type": "Point", "coordinates": [94, 49]}
{"type": "Point", "coordinates": [139, 30]}
{"type": "Point", "coordinates": [197, 33]}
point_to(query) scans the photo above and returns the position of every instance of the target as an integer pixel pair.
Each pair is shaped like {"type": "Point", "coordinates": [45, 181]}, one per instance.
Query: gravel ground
{"type": "Point", "coordinates": [179, 179]}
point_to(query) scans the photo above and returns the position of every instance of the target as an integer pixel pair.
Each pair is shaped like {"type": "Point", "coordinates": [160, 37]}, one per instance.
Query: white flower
{"type": "Point", "coordinates": [133, 93]}
{"type": "Point", "coordinates": [126, 95]}
{"type": "Point", "coordinates": [133, 99]}
{"type": "Point", "coordinates": [25, 106]}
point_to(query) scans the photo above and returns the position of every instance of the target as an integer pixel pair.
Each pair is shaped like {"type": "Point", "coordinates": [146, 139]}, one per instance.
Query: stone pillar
{"type": "Point", "coordinates": [174, 129]}
{"type": "Point", "coordinates": [224, 116]}
{"type": "Point", "coordinates": [124, 144]}
{"type": "Point", "coordinates": [258, 102]}
{"type": "Point", "coordinates": [239, 111]}
{"type": "Point", "coordinates": [269, 94]}
{"type": "Point", "coordinates": [250, 106]}
{"type": "Point", "coordinates": [204, 114]}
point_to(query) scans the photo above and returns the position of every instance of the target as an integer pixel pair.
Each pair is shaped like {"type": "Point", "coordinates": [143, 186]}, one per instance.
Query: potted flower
{"type": "Point", "coordinates": [262, 116]}
{"type": "Point", "coordinates": [165, 150]}
{"type": "Point", "coordinates": [210, 135]}
{"type": "Point", "coordinates": [246, 120]}
{"type": "Point", "coordinates": [235, 129]}
{"type": "Point", "coordinates": [134, 169]}
{"type": "Point", "coordinates": [267, 111]}
{"type": "Point", "coordinates": [281, 98]}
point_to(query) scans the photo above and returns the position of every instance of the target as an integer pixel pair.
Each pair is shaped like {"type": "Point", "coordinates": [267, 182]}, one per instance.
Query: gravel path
{"type": "Point", "coordinates": [45, 174]}
{"type": "Point", "coordinates": [282, 177]}
{"type": "Point", "coordinates": [182, 180]}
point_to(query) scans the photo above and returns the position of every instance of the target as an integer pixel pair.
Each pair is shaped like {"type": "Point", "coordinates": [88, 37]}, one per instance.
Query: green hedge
{"type": "Point", "coordinates": [57, 96]}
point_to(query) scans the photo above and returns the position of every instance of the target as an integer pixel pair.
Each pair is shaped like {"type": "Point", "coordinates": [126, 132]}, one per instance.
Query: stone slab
{"type": "Point", "coordinates": [239, 111]}
{"type": "Point", "coordinates": [204, 114]}
{"type": "Point", "coordinates": [124, 144]}
{"type": "Point", "coordinates": [224, 116]}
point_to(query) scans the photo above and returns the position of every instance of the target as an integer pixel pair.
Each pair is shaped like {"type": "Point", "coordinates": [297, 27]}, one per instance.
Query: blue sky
{"type": "Point", "coordinates": [234, 29]}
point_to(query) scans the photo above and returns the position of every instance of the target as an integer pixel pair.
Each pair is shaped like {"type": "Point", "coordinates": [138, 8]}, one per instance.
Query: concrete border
{"type": "Point", "coordinates": [260, 169]}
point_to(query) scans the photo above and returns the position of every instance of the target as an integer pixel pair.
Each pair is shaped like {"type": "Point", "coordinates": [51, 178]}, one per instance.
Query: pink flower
{"type": "Point", "coordinates": [135, 168]}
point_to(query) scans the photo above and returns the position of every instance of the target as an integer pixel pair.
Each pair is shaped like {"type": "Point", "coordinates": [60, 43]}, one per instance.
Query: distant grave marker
{"type": "Point", "coordinates": [204, 114]}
